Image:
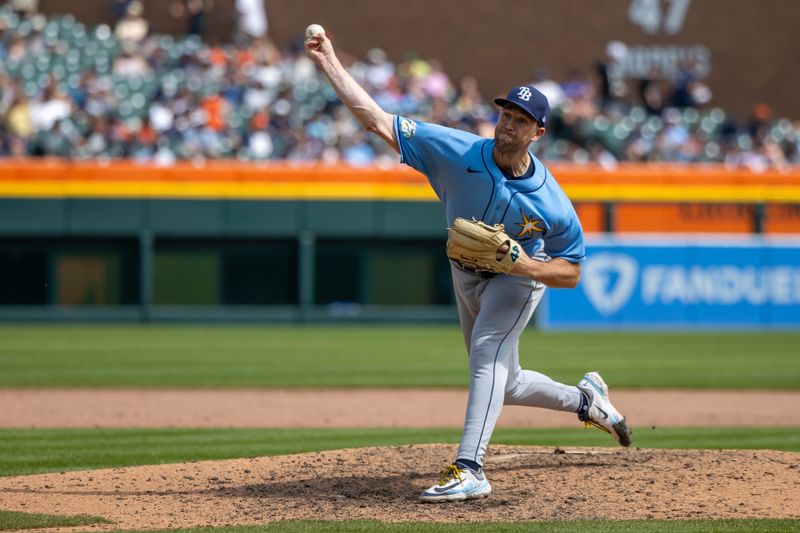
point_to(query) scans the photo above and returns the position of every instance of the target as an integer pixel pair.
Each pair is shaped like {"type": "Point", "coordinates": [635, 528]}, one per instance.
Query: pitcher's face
{"type": "Point", "coordinates": [516, 129]}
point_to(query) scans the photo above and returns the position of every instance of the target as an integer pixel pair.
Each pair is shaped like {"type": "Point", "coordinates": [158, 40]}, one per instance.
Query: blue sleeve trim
{"type": "Point", "coordinates": [570, 258]}
{"type": "Point", "coordinates": [397, 137]}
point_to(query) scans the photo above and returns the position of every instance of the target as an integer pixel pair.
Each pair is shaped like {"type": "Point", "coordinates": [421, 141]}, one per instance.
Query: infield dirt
{"type": "Point", "coordinates": [529, 483]}
{"type": "Point", "coordinates": [368, 408]}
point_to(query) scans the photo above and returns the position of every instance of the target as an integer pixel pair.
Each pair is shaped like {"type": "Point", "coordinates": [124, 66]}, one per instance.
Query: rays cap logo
{"type": "Point", "coordinates": [609, 280]}
{"type": "Point", "coordinates": [530, 100]}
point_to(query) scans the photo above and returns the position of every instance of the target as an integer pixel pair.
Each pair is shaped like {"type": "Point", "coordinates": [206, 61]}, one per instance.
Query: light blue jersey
{"type": "Point", "coordinates": [460, 168]}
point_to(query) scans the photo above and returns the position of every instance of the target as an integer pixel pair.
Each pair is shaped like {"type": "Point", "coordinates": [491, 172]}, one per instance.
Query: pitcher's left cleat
{"type": "Point", "coordinates": [457, 484]}
{"type": "Point", "coordinates": [599, 412]}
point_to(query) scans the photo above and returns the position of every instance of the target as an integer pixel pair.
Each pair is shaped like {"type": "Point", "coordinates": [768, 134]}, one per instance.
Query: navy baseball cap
{"type": "Point", "coordinates": [530, 99]}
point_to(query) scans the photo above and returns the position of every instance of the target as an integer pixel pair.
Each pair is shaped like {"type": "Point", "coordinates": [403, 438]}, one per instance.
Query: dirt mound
{"type": "Point", "coordinates": [529, 483]}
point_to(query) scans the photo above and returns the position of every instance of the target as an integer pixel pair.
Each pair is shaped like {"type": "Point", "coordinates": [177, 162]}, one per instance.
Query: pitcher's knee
{"type": "Point", "coordinates": [513, 390]}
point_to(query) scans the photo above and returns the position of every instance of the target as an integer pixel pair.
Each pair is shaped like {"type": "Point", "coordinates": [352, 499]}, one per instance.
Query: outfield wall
{"type": "Point", "coordinates": [243, 242]}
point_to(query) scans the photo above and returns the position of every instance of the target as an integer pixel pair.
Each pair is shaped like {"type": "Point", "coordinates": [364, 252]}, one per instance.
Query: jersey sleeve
{"type": "Point", "coordinates": [430, 148]}
{"type": "Point", "coordinates": [565, 240]}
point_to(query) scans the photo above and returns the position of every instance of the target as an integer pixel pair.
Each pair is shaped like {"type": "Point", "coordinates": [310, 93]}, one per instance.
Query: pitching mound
{"type": "Point", "coordinates": [530, 483]}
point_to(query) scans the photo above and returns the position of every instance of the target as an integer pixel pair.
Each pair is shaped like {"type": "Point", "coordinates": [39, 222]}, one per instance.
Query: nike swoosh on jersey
{"type": "Point", "coordinates": [474, 170]}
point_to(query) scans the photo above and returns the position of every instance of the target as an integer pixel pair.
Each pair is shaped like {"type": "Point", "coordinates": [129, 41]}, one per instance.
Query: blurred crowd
{"type": "Point", "coordinates": [122, 92]}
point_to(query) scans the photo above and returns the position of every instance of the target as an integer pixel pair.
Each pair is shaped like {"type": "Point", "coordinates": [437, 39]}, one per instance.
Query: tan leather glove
{"type": "Point", "coordinates": [475, 245]}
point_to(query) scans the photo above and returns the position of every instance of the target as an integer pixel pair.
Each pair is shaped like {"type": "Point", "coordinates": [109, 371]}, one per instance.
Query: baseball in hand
{"type": "Point", "coordinates": [313, 30]}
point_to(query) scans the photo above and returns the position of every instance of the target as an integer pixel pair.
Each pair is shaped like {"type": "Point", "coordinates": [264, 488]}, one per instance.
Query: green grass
{"type": "Point", "coordinates": [14, 520]}
{"type": "Point", "coordinates": [347, 356]}
{"type": "Point", "coordinates": [29, 451]}
{"type": "Point", "coordinates": [582, 526]}
{"type": "Point", "coordinates": [372, 356]}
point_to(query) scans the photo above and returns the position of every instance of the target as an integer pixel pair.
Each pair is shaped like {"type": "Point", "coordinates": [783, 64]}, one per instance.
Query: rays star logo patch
{"type": "Point", "coordinates": [407, 128]}
{"type": "Point", "coordinates": [528, 226]}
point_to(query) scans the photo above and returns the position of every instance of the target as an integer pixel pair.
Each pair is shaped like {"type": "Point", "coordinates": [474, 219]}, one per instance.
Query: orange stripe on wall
{"type": "Point", "coordinates": [683, 218]}
{"type": "Point", "coordinates": [689, 218]}
{"type": "Point", "coordinates": [370, 190]}
{"type": "Point", "coordinates": [566, 173]}
{"type": "Point", "coordinates": [629, 183]}
{"type": "Point", "coordinates": [782, 219]}
{"type": "Point", "coordinates": [592, 216]}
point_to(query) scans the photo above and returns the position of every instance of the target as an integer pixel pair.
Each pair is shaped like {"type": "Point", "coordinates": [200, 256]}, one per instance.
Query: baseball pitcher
{"type": "Point", "coordinates": [512, 233]}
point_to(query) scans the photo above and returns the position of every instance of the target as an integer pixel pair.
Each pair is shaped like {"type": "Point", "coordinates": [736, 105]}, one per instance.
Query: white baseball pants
{"type": "Point", "coordinates": [493, 313]}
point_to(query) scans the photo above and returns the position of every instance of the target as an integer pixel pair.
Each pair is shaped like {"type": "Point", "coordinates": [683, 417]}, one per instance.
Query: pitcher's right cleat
{"type": "Point", "coordinates": [599, 412]}
{"type": "Point", "coordinates": [457, 484]}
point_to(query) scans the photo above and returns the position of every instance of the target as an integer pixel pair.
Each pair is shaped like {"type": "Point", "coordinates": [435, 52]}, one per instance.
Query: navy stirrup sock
{"type": "Point", "coordinates": [466, 463]}
{"type": "Point", "coordinates": [583, 410]}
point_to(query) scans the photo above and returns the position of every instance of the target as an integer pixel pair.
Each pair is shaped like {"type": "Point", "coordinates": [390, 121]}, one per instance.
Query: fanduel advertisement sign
{"type": "Point", "coordinates": [630, 283]}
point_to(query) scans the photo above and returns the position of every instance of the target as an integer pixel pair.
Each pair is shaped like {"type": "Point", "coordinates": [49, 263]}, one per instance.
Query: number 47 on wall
{"type": "Point", "coordinates": [654, 16]}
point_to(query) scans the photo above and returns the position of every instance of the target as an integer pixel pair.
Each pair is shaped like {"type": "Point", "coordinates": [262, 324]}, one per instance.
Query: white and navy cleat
{"type": "Point", "coordinates": [599, 412]}
{"type": "Point", "coordinates": [457, 483]}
